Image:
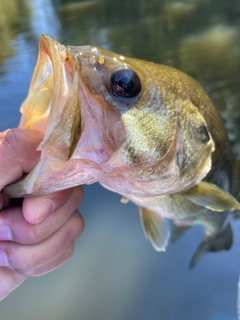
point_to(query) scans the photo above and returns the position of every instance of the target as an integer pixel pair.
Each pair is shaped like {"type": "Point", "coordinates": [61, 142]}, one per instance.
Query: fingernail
{"type": "Point", "coordinates": [3, 259]}
{"type": "Point", "coordinates": [5, 233]}
{"type": "Point", "coordinates": [46, 207]}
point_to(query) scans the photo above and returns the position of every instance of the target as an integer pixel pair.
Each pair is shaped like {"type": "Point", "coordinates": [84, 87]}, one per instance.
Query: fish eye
{"type": "Point", "coordinates": [203, 134]}
{"type": "Point", "coordinates": [125, 83]}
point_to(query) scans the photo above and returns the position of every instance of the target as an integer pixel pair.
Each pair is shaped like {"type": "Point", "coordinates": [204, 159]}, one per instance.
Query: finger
{"type": "Point", "coordinates": [4, 202]}
{"type": "Point", "coordinates": [29, 257]}
{"type": "Point", "coordinates": [50, 266]}
{"type": "Point", "coordinates": [15, 228]}
{"type": "Point", "coordinates": [36, 209]}
{"type": "Point", "coordinates": [10, 280]}
{"type": "Point", "coordinates": [18, 153]}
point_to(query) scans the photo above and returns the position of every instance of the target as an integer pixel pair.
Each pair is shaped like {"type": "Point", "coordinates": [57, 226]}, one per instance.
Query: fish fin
{"type": "Point", "coordinates": [236, 215]}
{"type": "Point", "coordinates": [124, 200]}
{"type": "Point", "coordinates": [177, 231]}
{"type": "Point", "coordinates": [156, 228]}
{"type": "Point", "coordinates": [212, 197]}
{"type": "Point", "coordinates": [221, 241]}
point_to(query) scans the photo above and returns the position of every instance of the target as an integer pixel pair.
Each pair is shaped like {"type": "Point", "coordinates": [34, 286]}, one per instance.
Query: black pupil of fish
{"type": "Point", "coordinates": [125, 83]}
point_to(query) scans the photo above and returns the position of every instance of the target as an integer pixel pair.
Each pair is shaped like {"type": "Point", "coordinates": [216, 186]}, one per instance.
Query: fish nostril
{"type": "Point", "coordinates": [92, 60]}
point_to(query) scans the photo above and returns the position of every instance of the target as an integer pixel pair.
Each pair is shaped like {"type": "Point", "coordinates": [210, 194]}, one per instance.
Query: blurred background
{"type": "Point", "coordinates": [114, 273]}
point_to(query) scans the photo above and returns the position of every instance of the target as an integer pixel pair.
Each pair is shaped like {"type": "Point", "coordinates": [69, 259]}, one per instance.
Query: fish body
{"type": "Point", "coordinates": [146, 131]}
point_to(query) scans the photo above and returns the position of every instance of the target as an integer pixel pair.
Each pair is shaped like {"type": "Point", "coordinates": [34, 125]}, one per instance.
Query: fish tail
{"type": "Point", "coordinates": [221, 241]}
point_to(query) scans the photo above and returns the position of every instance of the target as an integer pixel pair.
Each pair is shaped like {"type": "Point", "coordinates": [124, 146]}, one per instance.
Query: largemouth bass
{"type": "Point", "coordinates": [146, 131]}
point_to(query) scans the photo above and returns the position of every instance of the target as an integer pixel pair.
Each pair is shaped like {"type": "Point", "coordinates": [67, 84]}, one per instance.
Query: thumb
{"type": "Point", "coordinates": [18, 153]}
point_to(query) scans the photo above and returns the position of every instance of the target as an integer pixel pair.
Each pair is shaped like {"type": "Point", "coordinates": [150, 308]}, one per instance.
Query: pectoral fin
{"type": "Point", "coordinates": [124, 200]}
{"type": "Point", "coordinates": [156, 229]}
{"type": "Point", "coordinates": [210, 196]}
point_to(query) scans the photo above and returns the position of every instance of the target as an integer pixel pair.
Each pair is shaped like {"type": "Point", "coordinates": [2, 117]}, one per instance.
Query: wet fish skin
{"type": "Point", "coordinates": [153, 147]}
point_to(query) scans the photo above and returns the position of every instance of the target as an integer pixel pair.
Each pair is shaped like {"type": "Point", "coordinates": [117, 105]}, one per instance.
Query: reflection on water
{"type": "Point", "coordinates": [13, 20]}
{"type": "Point", "coordinates": [114, 273]}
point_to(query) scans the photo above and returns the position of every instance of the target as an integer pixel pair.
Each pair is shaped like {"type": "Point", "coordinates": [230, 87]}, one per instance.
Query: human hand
{"type": "Point", "coordinates": [37, 236]}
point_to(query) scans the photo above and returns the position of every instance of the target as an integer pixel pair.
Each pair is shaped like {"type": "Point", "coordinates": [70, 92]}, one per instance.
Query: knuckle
{"type": "Point", "coordinates": [61, 197]}
{"type": "Point", "coordinates": [32, 262]}
{"type": "Point", "coordinates": [67, 254]}
{"type": "Point", "coordinates": [80, 191]}
{"type": "Point", "coordinates": [19, 261]}
{"type": "Point", "coordinates": [78, 194]}
{"type": "Point", "coordinates": [32, 234]}
{"type": "Point", "coordinates": [9, 138]}
{"type": "Point", "coordinates": [11, 142]}
{"type": "Point", "coordinates": [39, 271]}
{"type": "Point", "coordinates": [77, 225]}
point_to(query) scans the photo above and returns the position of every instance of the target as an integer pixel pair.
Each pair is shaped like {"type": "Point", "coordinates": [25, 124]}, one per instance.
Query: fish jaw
{"type": "Point", "coordinates": [81, 132]}
{"type": "Point", "coordinates": [45, 178]}
{"type": "Point", "coordinates": [52, 104]}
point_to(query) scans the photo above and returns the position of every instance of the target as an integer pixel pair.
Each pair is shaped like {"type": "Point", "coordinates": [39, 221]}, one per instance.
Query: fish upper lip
{"type": "Point", "coordinates": [52, 104]}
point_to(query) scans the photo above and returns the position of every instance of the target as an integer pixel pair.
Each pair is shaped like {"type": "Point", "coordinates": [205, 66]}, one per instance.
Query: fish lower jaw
{"type": "Point", "coordinates": [132, 189]}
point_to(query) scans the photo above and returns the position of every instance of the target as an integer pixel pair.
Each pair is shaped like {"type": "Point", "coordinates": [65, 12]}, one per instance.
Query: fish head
{"type": "Point", "coordinates": [111, 119]}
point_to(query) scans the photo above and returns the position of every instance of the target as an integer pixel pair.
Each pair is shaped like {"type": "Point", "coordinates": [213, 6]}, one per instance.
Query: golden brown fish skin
{"type": "Point", "coordinates": [149, 148]}
{"type": "Point", "coordinates": [187, 88]}
{"type": "Point", "coordinates": [151, 120]}
{"type": "Point", "coordinates": [153, 128]}
{"type": "Point", "coordinates": [173, 86]}
{"type": "Point", "coordinates": [138, 142]}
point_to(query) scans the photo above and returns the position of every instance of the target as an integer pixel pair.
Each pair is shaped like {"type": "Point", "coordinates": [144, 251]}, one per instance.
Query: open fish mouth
{"type": "Point", "coordinates": [60, 104]}
{"type": "Point", "coordinates": [52, 104]}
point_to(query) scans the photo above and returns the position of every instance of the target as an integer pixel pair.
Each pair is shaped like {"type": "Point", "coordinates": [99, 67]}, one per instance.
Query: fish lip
{"type": "Point", "coordinates": [47, 42]}
{"type": "Point", "coordinates": [47, 69]}
{"type": "Point", "coordinates": [49, 104]}
{"type": "Point", "coordinates": [59, 68]}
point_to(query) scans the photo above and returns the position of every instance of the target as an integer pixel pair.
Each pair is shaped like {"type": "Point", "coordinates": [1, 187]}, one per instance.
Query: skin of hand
{"type": "Point", "coordinates": [38, 235]}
